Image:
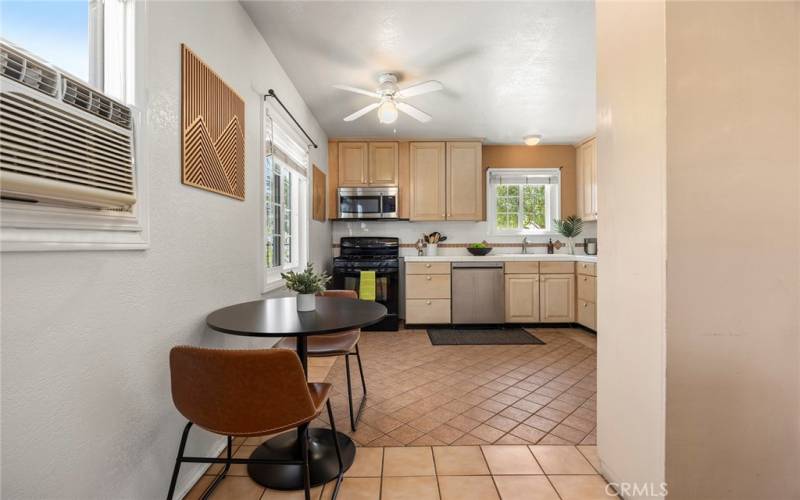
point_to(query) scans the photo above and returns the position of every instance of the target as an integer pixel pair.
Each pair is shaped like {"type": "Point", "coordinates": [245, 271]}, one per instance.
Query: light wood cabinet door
{"type": "Point", "coordinates": [464, 181]}
{"type": "Point", "coordinates": [427, 181]}
{"type": "Point", "coordinates": [383, 164]}
{"type": "Point", "coordinates": [522, 298]}
{"type": "Point", "coordinates": [587, 314]}
{"type": "Point", "coordinates": [557, 304]}
{"type": "Point", "coordinates": [353, 162]}
{"type": "Point", "coordinates": [427, 311]}
{"type": "Point", "coordinates": [586, 163]}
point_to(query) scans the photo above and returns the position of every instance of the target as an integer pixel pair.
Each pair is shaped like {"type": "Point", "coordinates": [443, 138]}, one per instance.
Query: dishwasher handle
{"type": "Point", "coordinates": [477, 265]}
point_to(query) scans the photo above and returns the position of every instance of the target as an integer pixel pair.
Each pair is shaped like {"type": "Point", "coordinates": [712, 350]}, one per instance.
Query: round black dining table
{"type": "Point", "coordinates": [279, 317]}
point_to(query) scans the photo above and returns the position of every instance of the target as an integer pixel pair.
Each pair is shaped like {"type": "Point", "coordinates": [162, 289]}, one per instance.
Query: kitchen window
{"type": "Point", "coordinates": [523, 201]}
{"type": "Point", "coordinates": [285, 227]}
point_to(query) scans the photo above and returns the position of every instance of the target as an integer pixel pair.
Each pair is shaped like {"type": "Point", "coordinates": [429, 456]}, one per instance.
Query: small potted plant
{"type": "Point", "coordinates": [306, 284]}
{"type": "Point", "coordinates": [569, 228]}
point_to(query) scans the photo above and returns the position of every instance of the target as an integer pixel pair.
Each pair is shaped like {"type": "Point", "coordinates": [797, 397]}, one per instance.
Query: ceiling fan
{"type": "Point", "coordinates": [391, 99]}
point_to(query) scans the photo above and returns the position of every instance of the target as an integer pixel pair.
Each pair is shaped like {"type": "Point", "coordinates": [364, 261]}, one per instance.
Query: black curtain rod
{"type": "Point", "coordinates": [271, 93]}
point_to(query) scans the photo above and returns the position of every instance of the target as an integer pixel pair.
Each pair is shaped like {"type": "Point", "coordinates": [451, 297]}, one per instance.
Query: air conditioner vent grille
{"type": "Point", "coordinates": [18, 67]}
{"type": "Point", "coordinates": [41, 140]}
{"type": "Point", "coordinates": [83, 97]}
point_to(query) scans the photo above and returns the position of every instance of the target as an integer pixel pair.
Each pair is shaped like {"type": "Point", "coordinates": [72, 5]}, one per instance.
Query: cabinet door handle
{"type": "Point", "coordinates": [584, 278]}
{"type": "Point", "coordinates": [427, 265]}
{"type": "Point", "coordinates": [428, 302]}
{"type": "Point", "coordinates": [428, 278]}
{"type": "Point", "coordinates": [585, 304]}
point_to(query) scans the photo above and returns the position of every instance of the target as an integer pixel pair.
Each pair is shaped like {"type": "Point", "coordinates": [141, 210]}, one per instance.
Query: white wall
{"type": "Point", "coordinates": [631, 146]}
{"type": "Point", "coordinates": [86, 406]}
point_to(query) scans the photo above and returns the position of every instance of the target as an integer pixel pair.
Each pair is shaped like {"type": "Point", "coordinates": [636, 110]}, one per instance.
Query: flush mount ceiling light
{"type": "Point", "coordinates": [391, 99]}
{"type": "Point", "coordinates": [532, 140]}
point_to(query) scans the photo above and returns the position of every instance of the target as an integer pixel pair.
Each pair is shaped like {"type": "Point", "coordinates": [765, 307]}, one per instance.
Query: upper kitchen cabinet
{"type": "Point", "coordinates": [383, 164]}
{"type": "Point", "coordinates": [428, 188]}
{"type": "Point", "coordinates": [353, 164]}
{"type": "Point", "coordinates": [464, 181]}
{"type": "Point", "coordinates": [586, 163]}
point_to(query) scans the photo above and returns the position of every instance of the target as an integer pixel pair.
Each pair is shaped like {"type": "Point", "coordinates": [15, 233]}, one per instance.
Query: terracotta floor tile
{"type": "Point", "coordinates": [457, 406]}
{"type": "Point", "coordinates": [525, 488]}
{"type": "Point", "coordinates": [316, 493]}
{"type": "Point", "coordinates": [578, 423]}
{"type": "Point", "coordinates": [409, 461]}
{"type": "Point", "coordinates": [528, 433]}
{"type": "Point", "coordinates": [410, 488]}
{"type": "Point", "coordinates": [487, 433]}
{"type": "Point", "coordinates": [405, 434]}
{"type": "Point", "coordinates": [459, 461]}
{"type": "Point", "coordinates": [237, 488]}
{"type": "Point", "coordinates": [505, 424]}
{"type": "Point", "coordinates": [510, 460]}
{"type": "Point", "coordinates": [552, 414]}
{"type": "Point", "coordinates": [590, 452]}
{"type": "Point", "coordinates": [467, 488]}
{"type": "Point", "coordinates": [574, 436]}
{"type": "Point", "coordinates": [492, 406]}
{"type": "Point", "coordinates": [468, 440]}
{"type": "Point", "coordinates": [368, 463]}
{"type": "Point", "coordinates": [355, 488]}
{"type": "Point", "coordinates": [425, 423]}
{"type": "Point", "coordinates": [580, 487]}
{"type": "Point", "coordinates": [541, 423]}
{"type": "Point", "coordinates": [463, 423]}
{"type": "Point", "coordinates": [446, 434]}
{"type": "Point", "coordinates": [529, 406]}
{"type": "Point", "coordinates": [426, 440]}
{"type": "Point", "coordinates": [555, 440]}
{"type": "Point", "coordinates": [561, 460]}
{"type": "Point", "coordinates": [511, 439]}
{"type": "Point", "coordinates": [515, 414]}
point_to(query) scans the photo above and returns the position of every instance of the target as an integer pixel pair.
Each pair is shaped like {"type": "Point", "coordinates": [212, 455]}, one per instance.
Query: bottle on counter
{"type": "Point", "coordinates": [550, 247]}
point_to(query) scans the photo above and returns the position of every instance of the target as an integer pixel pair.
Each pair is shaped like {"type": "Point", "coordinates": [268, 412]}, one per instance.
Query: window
{"type": "Point", "coordinates": [285, 201]}
{"type": "Point", "coordinates": [523, 201]}
{"type": "Point", "coordinates": [90, 39]}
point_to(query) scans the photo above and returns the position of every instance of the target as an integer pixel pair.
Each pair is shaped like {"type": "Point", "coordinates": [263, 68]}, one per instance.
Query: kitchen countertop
{"type": "Point", "coordinates": [500, 257]}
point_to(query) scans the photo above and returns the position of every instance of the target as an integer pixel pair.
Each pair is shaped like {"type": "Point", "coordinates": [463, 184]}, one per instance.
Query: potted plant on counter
{"type": "Point", "coordinates": [569, 228]}
{"type": "Point", "coordinates": [306, 284]}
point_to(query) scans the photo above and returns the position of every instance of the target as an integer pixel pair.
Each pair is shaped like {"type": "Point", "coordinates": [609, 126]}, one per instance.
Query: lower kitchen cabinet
{"type": "Point", "coordinates": [557, 299]}
{"type": "Point", "coordinates": [522, 298]}
{"type": "Point", "coordinates": [587, 314]}
{"type": "Point", "coordinates": [427, 311]}
{"type": "Point", "coordinates": [427, 287]}
{"type": "Point", "coordinates": [587, 294]}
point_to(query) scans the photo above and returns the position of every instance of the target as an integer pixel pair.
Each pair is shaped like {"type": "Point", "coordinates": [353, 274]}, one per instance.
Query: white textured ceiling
{"type": "Point", "coordinates": [509, 69]}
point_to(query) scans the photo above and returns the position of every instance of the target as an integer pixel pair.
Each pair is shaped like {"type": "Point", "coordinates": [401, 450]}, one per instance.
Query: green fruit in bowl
{"type": "Point", "coordinates": [478, 245]}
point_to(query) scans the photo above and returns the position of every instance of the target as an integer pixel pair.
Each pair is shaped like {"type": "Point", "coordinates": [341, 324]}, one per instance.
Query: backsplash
{"type": "Point", "coordinates": [459, 234]}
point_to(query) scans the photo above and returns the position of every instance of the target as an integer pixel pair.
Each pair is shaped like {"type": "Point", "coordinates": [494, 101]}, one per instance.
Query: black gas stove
{"type": "Point", "coordinates": [378, 254]}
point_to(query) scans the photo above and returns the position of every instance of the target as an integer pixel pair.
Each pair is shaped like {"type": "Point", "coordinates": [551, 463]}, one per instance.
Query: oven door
{"type": "Point", "coordinates": [386, 285]}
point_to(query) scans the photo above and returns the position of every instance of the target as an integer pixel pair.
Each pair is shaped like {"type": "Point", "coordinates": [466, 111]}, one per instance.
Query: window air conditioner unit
{"type": "Point", "coordinates": [61, 141]}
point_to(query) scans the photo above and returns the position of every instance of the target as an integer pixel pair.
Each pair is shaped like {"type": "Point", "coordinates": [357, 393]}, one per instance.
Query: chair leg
{"type": "Point", "coordinates": [349, 391]}
{"type": "Point", "coordinates": [211, 487]}
{"type": "Point", "coordinates": [306, 471]}
{"type": "Point", "coordinates": [335, 436]}
{"type": "Point", "coordinates": [177, 469]}
{"type": "Point", "coordinates": [361, 372]}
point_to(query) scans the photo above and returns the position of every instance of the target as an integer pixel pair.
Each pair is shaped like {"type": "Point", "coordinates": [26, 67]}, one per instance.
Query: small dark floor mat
{"type": "Point", "coordinates": [481, 336]}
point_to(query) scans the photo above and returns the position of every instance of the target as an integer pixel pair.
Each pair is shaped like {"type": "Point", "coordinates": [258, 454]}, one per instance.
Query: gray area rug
{"type": "Point", "coordinates": [481, 336]}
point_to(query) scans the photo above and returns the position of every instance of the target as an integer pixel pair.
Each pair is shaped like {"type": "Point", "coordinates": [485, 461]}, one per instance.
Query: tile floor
{"type": "Point", "coordinates": [425, 395]}
{"type": "Point", "coordinates": [459, 422]}
{"type": "Point", "coordinates": [490, 472]}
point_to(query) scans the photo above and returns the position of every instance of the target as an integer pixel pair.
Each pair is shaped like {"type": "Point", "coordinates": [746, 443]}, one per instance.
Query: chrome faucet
{"type": "Point", "coordinates": [524, 244]}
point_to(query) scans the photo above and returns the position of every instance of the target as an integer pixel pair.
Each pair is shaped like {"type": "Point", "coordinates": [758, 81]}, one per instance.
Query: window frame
{"type": "Point", "coordinates": [552, 204]}
{"type": "Point", "coordinates": [26, 227]}
{"type": "Point", "coordinates": [300, 210]}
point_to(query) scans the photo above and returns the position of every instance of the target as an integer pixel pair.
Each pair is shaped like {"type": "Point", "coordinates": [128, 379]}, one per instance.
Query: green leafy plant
{"type": "Point", "coordinates": [569, 227]}
{"type": "Point", "coordinates": [306, 282]}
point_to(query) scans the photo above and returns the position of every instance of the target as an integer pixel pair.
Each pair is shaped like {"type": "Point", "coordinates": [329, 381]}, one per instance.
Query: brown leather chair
{"type": "Point", "coordinates": [245, 393]}
{"type": "Point", "coordinates": [336, 344]}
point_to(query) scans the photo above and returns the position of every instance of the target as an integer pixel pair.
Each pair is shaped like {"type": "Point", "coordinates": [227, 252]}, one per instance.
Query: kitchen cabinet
{"type": "Point", "coordinates": [586, 275]}
{"type": "Point", "coordinates": [464, 181]}
{"type": "Point", "coordinates": [557, 298]}
{"type": "Point", "coordinates": [427, 286]}
{"type": "Point", "coordinates": [353, 164]}
{"type": "Point", "coordinates": [383, 164]}
{"type": "Point", "coordinates": [428, 199]}
{"type": "Point", "coordinates": [522, 298]}
{"type": "Point", "coordinates": [586, 166]}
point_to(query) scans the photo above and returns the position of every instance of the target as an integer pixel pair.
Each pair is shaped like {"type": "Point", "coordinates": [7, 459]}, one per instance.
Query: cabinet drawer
{"type": "Point", "coordinates": [587, 288]}
{"type": "Point", "coordinates": [428, 268]}
{"type": "Point", "coordinates": [587, 314]}
{"type": "Point", "coordinates": [428, 286]}
{"type": "Point", "coordinates": [422, 311]}
{"type": "Point", "coordinates": [522, 267]}
{"type": "Point", "coordinates": [556, 267]}
{"type": "Point", "coordinates": [587, 268]}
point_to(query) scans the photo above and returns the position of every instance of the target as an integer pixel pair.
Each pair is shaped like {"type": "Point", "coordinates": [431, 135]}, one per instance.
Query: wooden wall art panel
{"type": "Point", "coordinates": [318, 193]}
{"type": "Point", "coordinates": [212, 120]}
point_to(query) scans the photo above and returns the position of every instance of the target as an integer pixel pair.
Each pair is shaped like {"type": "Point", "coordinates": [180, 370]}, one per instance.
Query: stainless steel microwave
{"type": "Point", "coordinates": [368, 203]}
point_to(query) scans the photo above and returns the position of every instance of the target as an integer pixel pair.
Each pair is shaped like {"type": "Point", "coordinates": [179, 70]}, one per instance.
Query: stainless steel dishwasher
{"type": "Point", "coordinates": [478, 292]}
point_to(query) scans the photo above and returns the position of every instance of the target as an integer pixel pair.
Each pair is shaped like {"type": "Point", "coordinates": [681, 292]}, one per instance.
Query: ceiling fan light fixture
{"type": "Point", "coordinates": [532, 140]}
{"type": "Point", "coordinates": [387, 112]}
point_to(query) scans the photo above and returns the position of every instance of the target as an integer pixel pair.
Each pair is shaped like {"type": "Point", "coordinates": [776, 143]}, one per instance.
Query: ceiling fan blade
{"type": "Point", "coordinates": [357, 90]}
{"type": "Point", "coordinates": [420, 88]}
{"type": "Point", "coordinates": [361, 112]}
{"type": "Point", "coordinates": [413, 112]}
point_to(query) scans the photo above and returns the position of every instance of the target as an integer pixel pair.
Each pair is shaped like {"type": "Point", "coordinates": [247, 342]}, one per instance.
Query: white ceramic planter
{"type": "Point", "coordinates": [306, 302]}
{"type": "Point", "coordinates": [432, 249]}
